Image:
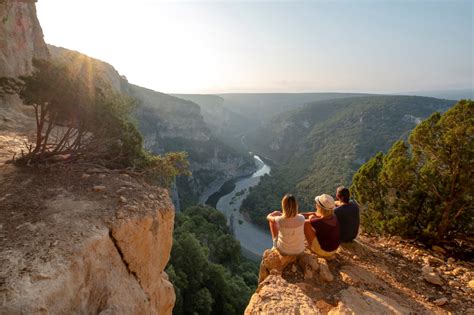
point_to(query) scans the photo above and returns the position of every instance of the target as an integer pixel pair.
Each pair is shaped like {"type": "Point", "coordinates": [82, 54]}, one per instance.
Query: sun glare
{"type": "Point", "coordinates": [209, 47]}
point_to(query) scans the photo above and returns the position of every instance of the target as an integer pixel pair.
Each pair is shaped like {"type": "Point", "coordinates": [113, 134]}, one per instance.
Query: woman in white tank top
{"type": "Point", "coordinates": [287, 228]}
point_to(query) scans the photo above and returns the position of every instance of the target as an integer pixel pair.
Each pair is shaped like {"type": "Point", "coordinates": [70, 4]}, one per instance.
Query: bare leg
{"type": "Point", "coordinates": [309, 233]}
{"type": "Point", "coordinates": [273, 229]}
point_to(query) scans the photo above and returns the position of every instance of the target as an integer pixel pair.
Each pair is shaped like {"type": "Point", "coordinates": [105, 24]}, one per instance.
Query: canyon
{"type": "Point", "coordinates": [81, 238]}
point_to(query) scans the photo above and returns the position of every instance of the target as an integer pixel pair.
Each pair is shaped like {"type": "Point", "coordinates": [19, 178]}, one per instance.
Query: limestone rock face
{"type": "Point", "coordinates": [145, 246]}
{"type": "Point", "coordinates": [273, 262]}
{"type": "Point", "coordinates": [83, 252]}
{"type": "Point", "coordinates": [355, 301]}
{"type": "Point", "coordinates": [277, 296]}
{"type": "Point", "coordinates": [21, 38]}
{"type": "Point", "coordinates": [355, 275]}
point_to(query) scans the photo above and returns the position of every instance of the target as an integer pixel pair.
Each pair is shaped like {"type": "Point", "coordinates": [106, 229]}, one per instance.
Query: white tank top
{"type": "Point", "coordinates": [291, 235]}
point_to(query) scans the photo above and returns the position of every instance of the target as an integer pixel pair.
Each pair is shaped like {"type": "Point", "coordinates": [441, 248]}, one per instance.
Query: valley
{"type": "Point", "coordinates": [119, 197]}
{"type": "Point", "coordinates": [253, 239]}
{"type": "Point", "coordinates": [316, 147]}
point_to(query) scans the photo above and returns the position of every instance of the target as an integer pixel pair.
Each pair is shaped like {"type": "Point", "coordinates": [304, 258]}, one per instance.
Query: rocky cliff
{"type": "Point", "coordinates": [21, 37]}
{"type": "Point", "coordinates": [21, 40]}
{"type": "Point", "coordinates": [77, 240]}
{"type": "Point", "coordinates": [168, 123]}
{"type": "Point", "coordinates": [73, 239]}
{"type": "Point", "coordinates": [369, 276]}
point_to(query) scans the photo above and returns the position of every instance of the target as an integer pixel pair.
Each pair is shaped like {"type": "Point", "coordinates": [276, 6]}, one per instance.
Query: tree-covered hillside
{"type": "Point", "coordinates": [169, 123]}
{"type": "Point", "coordinates": [321, 145]}
{"type": "Point", "coordinates": [260, 107]}
{"type": "Point", "coordinates": [234, 117]}
{"type": "Point", "coordinates": [224, 123]}
{"type": "Point", "coordinates": [207, 268]}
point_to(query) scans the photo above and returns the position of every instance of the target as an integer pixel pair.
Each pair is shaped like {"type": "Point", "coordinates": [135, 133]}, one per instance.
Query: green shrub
{"type": "Point", "coordinates": [426, 189]}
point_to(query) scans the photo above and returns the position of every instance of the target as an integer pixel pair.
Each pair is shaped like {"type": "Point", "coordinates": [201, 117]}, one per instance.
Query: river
{"type": "Point", "coordinates": [253, 239]}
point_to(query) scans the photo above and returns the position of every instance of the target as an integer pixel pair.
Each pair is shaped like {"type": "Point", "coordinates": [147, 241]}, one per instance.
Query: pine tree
{"type": "Point", "coordinates": [427, 188]}
{"type": "Point", "coordinates": [443, 150]}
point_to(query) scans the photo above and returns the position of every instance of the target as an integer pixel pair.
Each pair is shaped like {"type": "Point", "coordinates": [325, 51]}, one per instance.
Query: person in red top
{"type": "Point", "coordinates": [321, 228]}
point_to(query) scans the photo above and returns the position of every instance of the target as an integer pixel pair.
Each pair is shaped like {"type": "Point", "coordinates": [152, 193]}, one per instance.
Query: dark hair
{"type": "Point", "coordinates": [343, 194]}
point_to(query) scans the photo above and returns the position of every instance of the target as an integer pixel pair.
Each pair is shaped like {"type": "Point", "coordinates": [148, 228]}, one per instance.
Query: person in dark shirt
{"type": "Point", "coordinates": [347, 213]}
{"type": "Point", "coordinates": [322, 228]}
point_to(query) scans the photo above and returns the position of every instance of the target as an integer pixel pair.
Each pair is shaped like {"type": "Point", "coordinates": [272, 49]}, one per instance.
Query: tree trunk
{"type": "Point", "coordinates": [446, 220]}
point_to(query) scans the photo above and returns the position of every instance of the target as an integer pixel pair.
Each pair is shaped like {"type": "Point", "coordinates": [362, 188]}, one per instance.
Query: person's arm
{"type": "Point", "coordinates": [272, 216]}
{"type": "Point", "coordinates": [306, 215]}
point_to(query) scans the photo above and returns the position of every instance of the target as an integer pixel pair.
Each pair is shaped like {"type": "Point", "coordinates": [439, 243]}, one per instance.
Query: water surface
{"type": "Point", "coordinates": [253, 239]}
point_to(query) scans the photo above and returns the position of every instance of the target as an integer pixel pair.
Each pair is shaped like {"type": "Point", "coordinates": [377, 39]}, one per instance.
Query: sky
{"type": "Point", "coordinates": [241, 46]}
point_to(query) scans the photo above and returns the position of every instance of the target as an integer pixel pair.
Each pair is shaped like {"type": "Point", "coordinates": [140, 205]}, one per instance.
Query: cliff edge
{"type": "Point", "coordinates": [83, 240]}
{"type": "Point", "coordinates": [368, 276]}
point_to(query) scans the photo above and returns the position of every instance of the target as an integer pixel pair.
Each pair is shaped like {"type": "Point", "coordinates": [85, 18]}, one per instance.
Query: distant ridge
{"type": "Point", "coordinates": [444, 94]}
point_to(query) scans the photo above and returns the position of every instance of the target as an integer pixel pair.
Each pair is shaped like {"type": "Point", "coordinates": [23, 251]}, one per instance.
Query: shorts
{"type": "Point", "coordinates": [316, 248]}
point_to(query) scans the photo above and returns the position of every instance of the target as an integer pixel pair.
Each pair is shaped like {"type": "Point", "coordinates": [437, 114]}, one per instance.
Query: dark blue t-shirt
{"type": "Point", "coordinates": [348, 217]}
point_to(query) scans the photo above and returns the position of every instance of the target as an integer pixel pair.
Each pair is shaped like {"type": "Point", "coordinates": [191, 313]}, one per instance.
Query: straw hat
{"type": "Point", "coordinates": [325, 201]}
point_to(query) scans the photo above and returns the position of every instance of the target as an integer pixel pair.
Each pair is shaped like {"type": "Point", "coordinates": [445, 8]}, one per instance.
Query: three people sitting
{"type": "Point", "coordinates": [322, 230]}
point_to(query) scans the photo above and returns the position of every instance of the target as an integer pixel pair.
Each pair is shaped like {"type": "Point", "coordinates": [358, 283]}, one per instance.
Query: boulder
{"type": "Point", "coordinates": [273, 263]}
{"type": "Point", "coordinates": [440, 301]}
{"type": "Point", "coordinates": [276, 296]}
{"type": "Point", "coordinates": [433, 278]}
{"type": "Point", "coordinates": [310, 260]}
{"type": "Point", "coordinates": [324, 271]}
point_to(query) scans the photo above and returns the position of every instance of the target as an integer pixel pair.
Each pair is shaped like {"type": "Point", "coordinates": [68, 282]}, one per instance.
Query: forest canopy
{"type": "Point", "coordinates": [207, 268]}
{"type": "Point", "coordinates": [423, 188]}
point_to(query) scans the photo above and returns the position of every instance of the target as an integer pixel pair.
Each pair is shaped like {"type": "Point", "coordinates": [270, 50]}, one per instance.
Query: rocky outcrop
{"type": "Point", "coordinates": [356, 281]}
{"type": "Point", "coordinates": [21, 38]}
{"type": "Point", "coordinates": [277, 296]}
{"type": "Point", "coordinates": [80, 250]}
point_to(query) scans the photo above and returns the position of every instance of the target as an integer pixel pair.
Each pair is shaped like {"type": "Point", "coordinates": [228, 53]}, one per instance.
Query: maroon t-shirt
{"type": "Point", "coordinates": [327, 232]}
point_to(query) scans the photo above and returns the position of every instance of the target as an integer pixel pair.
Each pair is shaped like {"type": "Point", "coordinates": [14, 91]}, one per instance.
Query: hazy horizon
{"type": "Point", "coordinates": [384, 47]}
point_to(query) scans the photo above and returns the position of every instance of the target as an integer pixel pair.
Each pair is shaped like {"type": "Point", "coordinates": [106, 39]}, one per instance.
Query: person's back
{"type": "Point", "coordinates": [291, 237]}
{"type": "Point", "coordinates": [327, 232]}
{"type": "Point", "coordinates": [322, 228]}
{"type": "Point", "coordinates": [348, 216]}
{"type": "Point", "coordinates": [287, 227]}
